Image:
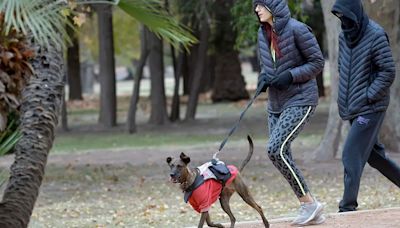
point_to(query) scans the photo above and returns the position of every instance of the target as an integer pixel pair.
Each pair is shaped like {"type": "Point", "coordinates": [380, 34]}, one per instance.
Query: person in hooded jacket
{"type": "Point", "coordinates": [290, 59]}
{"type": "Point", "coordinates": [366, 71]}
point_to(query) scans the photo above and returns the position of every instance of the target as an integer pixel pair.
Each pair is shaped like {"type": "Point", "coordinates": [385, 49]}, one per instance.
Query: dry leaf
{"type": "Point", "coordinates": [80, 19]}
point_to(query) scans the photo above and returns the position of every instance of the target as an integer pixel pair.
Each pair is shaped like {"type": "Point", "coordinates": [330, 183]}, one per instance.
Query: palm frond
{"type": "Point", "coordinates": [152, 15]}
{"type": "Point", "coordinates": [45, 20]}
{"type": "Point", "coordinates": [42, 18]}
{"type": "Point", "coordinates": [8, 138]}
{"type": "Point", "coordinates": [10, 142]}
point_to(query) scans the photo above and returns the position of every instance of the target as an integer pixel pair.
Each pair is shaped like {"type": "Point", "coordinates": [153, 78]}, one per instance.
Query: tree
{"type": "Point", "coordinates": [229, 84]}
{"type": "Point", "coordinates": [74, 66]}
{"type": "Point", "coordinates": [312, 10]}
{"type": "Point", "coordinates": [200, 64]}
{"type": "Point", "coordinates": [40, 109]}
{"type": "Point", "coordinates": [40, 106]}
{"type": "Point", "coordinates": [144, 53]}
{"type": "Point", "coordinates": [335, 128]}
{"type": "Point", "coordinates": [387, 14]}
{"type": "Point", "coordinates": [158, 113]}
{"type": "Point", "coordinates": [178, 65]}
{"type": "Point", "coordinates": [108, 94]}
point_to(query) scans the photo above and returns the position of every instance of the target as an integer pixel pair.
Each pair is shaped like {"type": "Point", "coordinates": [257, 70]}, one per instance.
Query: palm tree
{"type": "Point", "coordinates": [41, 25]}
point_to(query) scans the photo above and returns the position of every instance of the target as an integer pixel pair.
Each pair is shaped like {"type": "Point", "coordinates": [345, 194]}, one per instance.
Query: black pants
{"type": "Point", "coordinates": [362, 146]}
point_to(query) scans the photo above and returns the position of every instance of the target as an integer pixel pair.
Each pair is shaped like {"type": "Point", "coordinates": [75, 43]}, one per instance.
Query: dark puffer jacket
{"type": "Point", "coordinates": [301, 56]}
{"type": "Point", "coordinates": [366, 70]}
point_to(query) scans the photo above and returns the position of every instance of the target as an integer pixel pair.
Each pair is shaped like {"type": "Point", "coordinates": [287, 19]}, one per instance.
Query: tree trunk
{"type": "Point", "coordinates": [185, 72]}
{"type": "Point", "coordinates": [313, 10]}
{"type": "Point", "coordinates": [144, 52]}
{"type": "Point", "coordinates": [74, 67]}
{"type": "Point", "coordinates": [229, 84]}
{"type": "Point", "coordinates": [108, 98]}
{"type": "Point", "coordinates": [87, 77]}
{"type": "Point", "coordinates": [158, 113]}
{"type": "Point", "coordinates": [189, 70]}
{"type": "Point", "coordinates": [178, 65]}
{"type": "Point", "coordinates": [189, 67]}
{"type": "Point", "coordinates": [331, 142]}
{"type": "Point", "coordinates": [387, 14]}
{"type": "Point", "coordinates": [41, 102]}
{"type": "Point", "coordinates": [199, 68]}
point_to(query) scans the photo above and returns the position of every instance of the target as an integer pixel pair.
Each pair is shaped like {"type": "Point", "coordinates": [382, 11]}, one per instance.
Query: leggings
{"type": "Point", "coordinates": [283, 129]}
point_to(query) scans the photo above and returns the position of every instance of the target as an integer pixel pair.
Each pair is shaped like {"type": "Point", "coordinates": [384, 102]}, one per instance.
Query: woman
{"type": "Point", "coordinates": [290, 59]}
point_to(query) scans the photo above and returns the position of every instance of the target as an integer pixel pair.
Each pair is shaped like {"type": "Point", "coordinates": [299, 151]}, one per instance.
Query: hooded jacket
{"type": "Point", "coordinates": [354, 11]}
{"type": "Point", "coordinates": [301, 56]}
{"type": "Point", "coordinates": [366, 66]}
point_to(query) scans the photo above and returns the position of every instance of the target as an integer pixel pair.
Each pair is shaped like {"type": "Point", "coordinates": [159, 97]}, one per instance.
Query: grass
{"type": "Point", "coordinates": [80, 143]}
{"type": "Point", "coordinates": [84, 142]}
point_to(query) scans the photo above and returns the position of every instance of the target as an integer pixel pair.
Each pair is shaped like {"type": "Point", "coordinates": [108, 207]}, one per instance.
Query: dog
{"type": "Point", "coordinates": [186, 177]}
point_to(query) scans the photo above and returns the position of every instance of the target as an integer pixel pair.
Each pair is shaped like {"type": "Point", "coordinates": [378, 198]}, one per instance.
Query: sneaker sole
{"type": "Point", "coordinates": [320, 220]}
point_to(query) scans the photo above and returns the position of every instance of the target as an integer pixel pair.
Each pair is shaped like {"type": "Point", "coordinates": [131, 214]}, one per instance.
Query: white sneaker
{"type": "Point", "coordinates": [309, 212]}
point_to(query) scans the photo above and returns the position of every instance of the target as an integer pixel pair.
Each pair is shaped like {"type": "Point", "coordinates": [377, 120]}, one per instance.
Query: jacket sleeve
{"type": "Point", "coordinates": [385, 73]}
{"type": "Point", "coordinates": [262, 69]}
{"type": "Point", "coordinates": [309, 48]}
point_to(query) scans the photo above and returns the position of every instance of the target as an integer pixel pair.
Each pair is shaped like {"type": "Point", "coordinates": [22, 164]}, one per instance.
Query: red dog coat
{"type": "Point", "coordinates": [206, 194]}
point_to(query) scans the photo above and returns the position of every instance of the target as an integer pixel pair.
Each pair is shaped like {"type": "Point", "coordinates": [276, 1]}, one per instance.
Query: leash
{"type": "Point", "coordinates": [233, 129]}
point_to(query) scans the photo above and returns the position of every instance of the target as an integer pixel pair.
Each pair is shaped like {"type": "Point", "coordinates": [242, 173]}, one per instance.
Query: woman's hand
{"type": "Point", "coordinates": [282, 81]}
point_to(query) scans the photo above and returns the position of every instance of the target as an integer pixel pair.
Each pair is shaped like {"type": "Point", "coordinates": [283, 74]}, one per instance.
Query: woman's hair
{"type": "Point", "coordinates": [272, 37]}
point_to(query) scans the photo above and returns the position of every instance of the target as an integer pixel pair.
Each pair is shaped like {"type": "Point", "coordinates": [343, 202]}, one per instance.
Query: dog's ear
{"type": "Point", "coordinates": [169, 159]}
{"type": "Point", "coordinates": [184, 158]}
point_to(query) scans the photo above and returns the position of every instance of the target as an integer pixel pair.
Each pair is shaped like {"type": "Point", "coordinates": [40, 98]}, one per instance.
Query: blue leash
{"type": "Point", "coordinates": [233, 129]}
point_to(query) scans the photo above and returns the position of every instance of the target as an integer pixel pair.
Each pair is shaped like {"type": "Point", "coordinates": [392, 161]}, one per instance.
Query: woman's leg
{"type": "Point", "coordinates": [283, 130]}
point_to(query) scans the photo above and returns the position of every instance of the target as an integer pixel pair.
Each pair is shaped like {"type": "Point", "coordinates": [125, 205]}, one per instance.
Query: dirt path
{"type": "Point", "coordinates": [379, 218]}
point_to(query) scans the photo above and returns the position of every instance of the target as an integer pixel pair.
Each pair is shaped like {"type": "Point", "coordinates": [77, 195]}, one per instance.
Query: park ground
{"type": "Point", "coordinates": [99, 177]}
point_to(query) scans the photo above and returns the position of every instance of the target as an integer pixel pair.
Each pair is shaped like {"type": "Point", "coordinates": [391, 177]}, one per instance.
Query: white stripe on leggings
{"type": "Point", "coordinates": [283, 145]}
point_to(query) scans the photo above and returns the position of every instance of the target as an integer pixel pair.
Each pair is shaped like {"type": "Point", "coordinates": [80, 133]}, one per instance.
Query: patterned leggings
{"type": "Point", "coordinates": [283, 129]}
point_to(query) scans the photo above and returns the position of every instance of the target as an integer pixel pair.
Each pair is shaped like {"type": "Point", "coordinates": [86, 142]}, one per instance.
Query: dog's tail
{"type": "Point", "coordinates": [244, 163]}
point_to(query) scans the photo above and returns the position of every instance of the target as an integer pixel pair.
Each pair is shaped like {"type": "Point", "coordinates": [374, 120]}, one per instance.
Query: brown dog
{"type": "Point", "coordinates": [184, 175]}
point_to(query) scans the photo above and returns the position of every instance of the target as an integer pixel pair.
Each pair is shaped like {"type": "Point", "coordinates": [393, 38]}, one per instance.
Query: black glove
{"type": "Point", "coordinates": [264, 81]}
{"type": "Point", "coordinates": [282, 81]}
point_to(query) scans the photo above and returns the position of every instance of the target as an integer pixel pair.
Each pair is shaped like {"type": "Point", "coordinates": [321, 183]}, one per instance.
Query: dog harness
{"type": "Point", "coordinates": [208, 185]}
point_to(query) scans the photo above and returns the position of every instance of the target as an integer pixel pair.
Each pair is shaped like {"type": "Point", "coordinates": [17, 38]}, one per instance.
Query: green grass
{"type": "Point", "coordinates": [84, 142]}
{"type": "Point", "coordinates": [80, 143]}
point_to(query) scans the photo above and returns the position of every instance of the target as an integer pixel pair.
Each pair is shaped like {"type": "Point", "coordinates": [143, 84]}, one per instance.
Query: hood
{"type": "Point", "coordinates": [279, 10]}
{"type": "Point", "coordinates": [353, 10]}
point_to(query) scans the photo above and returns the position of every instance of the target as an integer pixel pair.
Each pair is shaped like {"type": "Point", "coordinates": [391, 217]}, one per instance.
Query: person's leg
{"type": "Point", "coordinates": [383, 164]}
{"type": "Point", "coordinates": [357, 149]}
{"type": "Point", "coordinates": [285, 129]}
